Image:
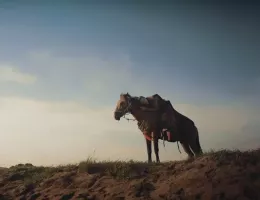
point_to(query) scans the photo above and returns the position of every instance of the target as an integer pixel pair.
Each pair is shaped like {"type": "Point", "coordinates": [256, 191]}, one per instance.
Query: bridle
{"type": "Point", "coordinates": [127, 109]}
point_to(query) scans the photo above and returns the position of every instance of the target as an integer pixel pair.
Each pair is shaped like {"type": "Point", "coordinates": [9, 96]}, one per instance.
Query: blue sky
{"type": "Point", "coordinates": [203, 58]}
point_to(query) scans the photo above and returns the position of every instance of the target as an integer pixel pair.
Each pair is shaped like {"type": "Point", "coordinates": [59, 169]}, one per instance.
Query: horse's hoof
{"type": "Point", "coordinates": [198, 155]}
{"type": "Point", "coordinates": [190, 158]}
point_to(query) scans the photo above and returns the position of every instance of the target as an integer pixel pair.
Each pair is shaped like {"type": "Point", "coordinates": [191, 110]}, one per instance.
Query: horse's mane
{"type": "Point", "coordinates": [127, 94]}
{"type": "Point", "coordinates": [135, 99]}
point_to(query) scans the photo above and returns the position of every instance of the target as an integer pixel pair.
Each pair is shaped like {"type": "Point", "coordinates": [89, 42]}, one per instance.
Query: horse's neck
{"type": "Point", "coordinates": [138, 115]}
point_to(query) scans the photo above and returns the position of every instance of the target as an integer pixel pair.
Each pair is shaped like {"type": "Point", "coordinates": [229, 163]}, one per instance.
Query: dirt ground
{"type": "Point", "coordinates": [218, 175]}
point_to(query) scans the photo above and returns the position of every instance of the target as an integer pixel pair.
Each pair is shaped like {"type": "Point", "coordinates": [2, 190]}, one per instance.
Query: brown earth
{"type": "Point", "coordinates": [221, 175]}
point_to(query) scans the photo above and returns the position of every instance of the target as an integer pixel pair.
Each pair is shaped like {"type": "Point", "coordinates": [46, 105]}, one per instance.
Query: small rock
{"type": "Point", "coordinates": [35, 196]}
{"type": "Point", "coordinates": [67, 196]}
{"type": "Point", "coordinates": [180, 192]}
{"type": "Point", "coordinates": [254, 176]}
{"type": "Point", "coordinates": [95, 169]}
{"type": "Point", "coordinates": [162, 196]}
{"type": "Point", "coordinates": [28, 188]}
{"type": "Point", "coordinates": [91, 197]}
{"type": "Point", "coordinates": [28, 165]}
{"type": "Point", "coordinates": [83, 195]}
{"type": "Point", "coordinates": [198, 197]}
{"type": "Point", "coordinates": [242, 198]}
{"type": "Point", "coordinates": [174, 197]}
{"type": "Point", "coordinates": [172, 166]}
{"type": "Point", "coordinates": [3, 197]}
{"type": "Point", "coordinates": [145, 172]}
{"type": "Point", "coordinates": [137, 194]}
{"type": "Point", "coordinates": [250, 193]}
{"type": "Point", "coordinates": [201, 165]}
{"type": "Point", "coordinates": [15, 177]}
{"type": "Point", "coordinates": [92, 181]}
{"type": "Point", "coordinates": [119, 198]}
{"type": "Point", "coordinates": [148, 186]}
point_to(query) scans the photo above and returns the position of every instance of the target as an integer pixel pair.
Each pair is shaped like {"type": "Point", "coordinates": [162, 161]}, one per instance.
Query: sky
{"type": "Point", "coordinates": [63, 66]}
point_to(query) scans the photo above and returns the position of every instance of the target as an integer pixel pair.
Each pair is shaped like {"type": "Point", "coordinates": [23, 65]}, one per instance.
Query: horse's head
{"type": "Point", "coordinates": [123, 106]}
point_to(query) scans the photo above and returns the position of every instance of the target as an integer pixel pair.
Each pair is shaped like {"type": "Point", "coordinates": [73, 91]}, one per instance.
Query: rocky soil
{"type": "Point", "coordinates": [218, 175]}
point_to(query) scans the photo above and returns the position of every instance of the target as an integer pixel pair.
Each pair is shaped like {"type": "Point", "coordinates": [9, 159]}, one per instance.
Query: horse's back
{"type": "Point", "coordinates": [155, 100]}
{"type": "Point", "coordinates": [175, 116]}
{"type": "Point", "coordinates": [168, 111]}
{"type": "Point", "coordinates": [182, 118]}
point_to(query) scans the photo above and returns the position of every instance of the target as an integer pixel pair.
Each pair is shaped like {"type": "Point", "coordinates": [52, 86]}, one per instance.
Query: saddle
{"type": "Point", "coordinates": [167, 120]}
{"type": "Point", "coordinates": [156, 103]}
{"type": "Point", "coordinates": [152, 103]}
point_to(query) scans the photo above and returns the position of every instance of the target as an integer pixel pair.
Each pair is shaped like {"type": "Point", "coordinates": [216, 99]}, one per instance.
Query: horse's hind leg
{"type": "Point", "coordinates": [195, 144]}
{"type": "Point", "coordinates": [186, 148]}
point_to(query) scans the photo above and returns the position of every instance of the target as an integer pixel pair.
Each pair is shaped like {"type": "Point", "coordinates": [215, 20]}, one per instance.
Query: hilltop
{"type": "Point", "coordinates": [216, 175]}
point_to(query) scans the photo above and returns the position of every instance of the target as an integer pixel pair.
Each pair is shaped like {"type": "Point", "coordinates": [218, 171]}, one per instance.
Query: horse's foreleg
{"type": "Point", "coordinates": [149, 150]}
{"type": "Point", "coordinates": [156, 149]}
{"type": "Point", "coordinates": [156, 146]}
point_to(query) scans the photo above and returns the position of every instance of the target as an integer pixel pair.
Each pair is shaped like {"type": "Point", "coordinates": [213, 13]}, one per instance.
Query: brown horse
{"type": "Point", "coordinates": [152, 121]}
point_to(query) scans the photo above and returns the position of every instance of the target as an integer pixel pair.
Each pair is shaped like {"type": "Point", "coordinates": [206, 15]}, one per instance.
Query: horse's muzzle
{"type": "Point", "coordinates": [116, 116]}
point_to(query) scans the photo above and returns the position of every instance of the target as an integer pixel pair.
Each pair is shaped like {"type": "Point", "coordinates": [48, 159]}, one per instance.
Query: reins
{"type": "Point", "coordinates": [128, 119]}
{"type": "Point", "coordinates": [145, 135]}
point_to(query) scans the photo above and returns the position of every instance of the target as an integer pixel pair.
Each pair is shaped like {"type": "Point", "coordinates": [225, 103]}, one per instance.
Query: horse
{"type": "Point", "coordinates": [152, 120]}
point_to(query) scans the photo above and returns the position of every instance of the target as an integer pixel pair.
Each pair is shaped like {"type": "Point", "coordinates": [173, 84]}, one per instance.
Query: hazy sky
{"type": "Point", "coordinates": [64, 65]}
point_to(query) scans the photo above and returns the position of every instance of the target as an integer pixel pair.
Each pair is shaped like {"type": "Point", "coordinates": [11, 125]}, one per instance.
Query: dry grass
{"type": "Point", "coordinates": [237, 157]}
{"type": "Point", "coordinates": [34, 174]}
{"type": "Point", "coordinates": [122, 169]}
{"type": "Point", "coordinates": [225, 166]}
{"type": "Point", "coordinates": [117, 169]}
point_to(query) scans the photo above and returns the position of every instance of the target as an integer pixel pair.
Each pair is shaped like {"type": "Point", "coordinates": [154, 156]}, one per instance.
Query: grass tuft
{"type": "Point", "coordinates": [117, 169]}
{"type": "Point", "coordinates": [34, 174]}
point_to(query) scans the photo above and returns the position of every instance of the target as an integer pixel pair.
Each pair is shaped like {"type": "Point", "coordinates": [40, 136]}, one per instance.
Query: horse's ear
{"type": "Point", "coordinates": [122, 96]}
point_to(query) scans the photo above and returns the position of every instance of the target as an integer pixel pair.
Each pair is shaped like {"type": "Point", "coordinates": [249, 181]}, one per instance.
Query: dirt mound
{"type": "Point", "coordinates": [220, 175]}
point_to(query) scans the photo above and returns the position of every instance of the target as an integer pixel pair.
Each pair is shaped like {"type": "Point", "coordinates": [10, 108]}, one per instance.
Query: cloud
{"type": "Point", "coordinates": [249, 137]}
{"type": "Point", "coordinates": [224, 126]}
{"type": "Point", "coordinates": [99, 76]}
{"type": "Point", "coordinates": [59, 132]}
{"type": "Point", "coordinates": [45, 132]}
{"type": "Point", "coordinates": [217, 118]}
{"type": "Point", "coordinates": [9, 73]}
{"type": "Point", "coordinates": [67, 128]}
